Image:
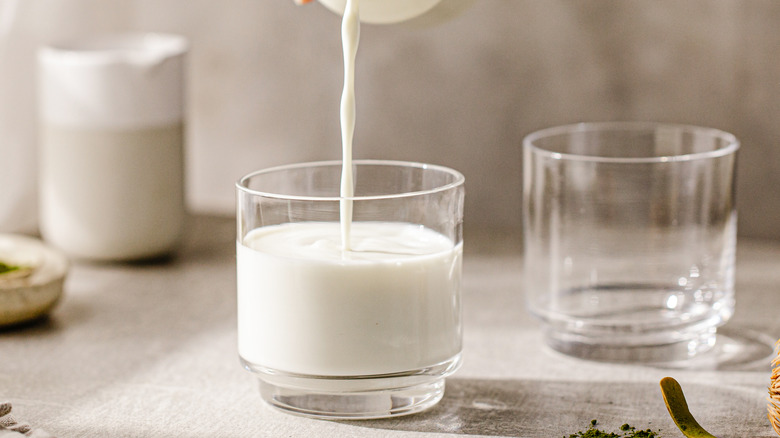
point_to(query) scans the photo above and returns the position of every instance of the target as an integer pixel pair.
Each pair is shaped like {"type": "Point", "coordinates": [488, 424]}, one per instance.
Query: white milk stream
{"type": "Point", "coordinates": [350, 36]}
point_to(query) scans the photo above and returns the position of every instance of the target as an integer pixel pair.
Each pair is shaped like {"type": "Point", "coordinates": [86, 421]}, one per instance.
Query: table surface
{"type": "Point", "coordinates": [149, 350]}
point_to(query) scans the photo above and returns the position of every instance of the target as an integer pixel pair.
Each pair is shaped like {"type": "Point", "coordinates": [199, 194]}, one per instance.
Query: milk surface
{"type": "Point", "coordinates": [389, 305]}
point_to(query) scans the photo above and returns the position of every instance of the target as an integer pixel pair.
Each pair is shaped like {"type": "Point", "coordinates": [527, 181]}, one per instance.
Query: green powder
{"type": "Point", "coordinates": [626, 431]}
{"type": "Point", "coordinates": [7, 268]}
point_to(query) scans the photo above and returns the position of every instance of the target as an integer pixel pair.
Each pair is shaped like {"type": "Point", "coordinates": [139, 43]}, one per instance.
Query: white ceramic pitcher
{"type": "Point", "coordinates": [395, 11]}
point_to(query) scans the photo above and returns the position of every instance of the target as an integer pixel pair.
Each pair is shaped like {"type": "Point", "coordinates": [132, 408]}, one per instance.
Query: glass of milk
{"type": "Point", "coordinates": [630, 235]}
{"type": "Point", "coordinates": [350, 312]}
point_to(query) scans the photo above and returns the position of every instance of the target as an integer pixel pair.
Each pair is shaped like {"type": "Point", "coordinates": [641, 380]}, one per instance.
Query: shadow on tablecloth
{"type": "Point", "coordinates": [559, 407]}
{"type": "Point", "coordinates": [548, 409]}
{"type": "Point", "coordinates": [736, 349]}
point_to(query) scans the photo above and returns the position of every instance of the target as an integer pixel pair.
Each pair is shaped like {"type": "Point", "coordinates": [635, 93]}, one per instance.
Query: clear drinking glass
{"type": "Point", "coordinates": [630, 234]}
{"type": "Point", "coordinates": [367, 332]}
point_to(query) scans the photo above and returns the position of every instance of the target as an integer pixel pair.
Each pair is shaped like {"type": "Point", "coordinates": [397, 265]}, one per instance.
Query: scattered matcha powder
{"type": "Point", "coordinates": [627, 431]}
{"type": "Point", "coordinates": [7, 268]}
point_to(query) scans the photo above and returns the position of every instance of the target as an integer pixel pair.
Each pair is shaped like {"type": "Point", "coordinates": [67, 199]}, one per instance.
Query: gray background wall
{"type": "Point", "coordinates": [265, 81]}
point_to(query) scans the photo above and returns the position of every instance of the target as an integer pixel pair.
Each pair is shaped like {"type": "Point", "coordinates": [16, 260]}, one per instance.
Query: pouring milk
{"type": "Point", "coordinates": [350, 35]}
{"type": "Point", "coordinates": [348, 299]}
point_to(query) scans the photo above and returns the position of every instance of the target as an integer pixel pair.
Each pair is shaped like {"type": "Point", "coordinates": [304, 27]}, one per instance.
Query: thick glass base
{"type": "Point", "coordinates": [355, 397]}
{"type": "Point", "coordinates": [634, 322]}
{"type": "Point", "coordinates": [669, 349]}
{"type": "Point", "coordinates": [352, 406]}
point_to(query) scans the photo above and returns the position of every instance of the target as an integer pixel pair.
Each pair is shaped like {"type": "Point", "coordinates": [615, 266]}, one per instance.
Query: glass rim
{"type": "Point", "coordinates": [732, 143]}
{"type": "Point", "coordinates": [241, 184]}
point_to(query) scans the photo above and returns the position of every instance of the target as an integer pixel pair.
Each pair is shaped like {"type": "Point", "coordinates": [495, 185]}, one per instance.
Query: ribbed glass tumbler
{"type": "Point", "coordinates": [629, 238]}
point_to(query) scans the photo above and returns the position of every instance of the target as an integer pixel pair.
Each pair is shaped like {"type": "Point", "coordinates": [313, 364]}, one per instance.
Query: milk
{"type": "Point", "coordinates": [350, 37]}
{"type": "Point", "coordinates": [389, 305]}
{"type": "Point", "coordinates": [348, 299]}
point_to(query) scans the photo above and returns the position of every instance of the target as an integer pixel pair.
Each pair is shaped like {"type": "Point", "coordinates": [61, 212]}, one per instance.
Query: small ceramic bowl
{"type": "Point", "coordinates": [36, 285]}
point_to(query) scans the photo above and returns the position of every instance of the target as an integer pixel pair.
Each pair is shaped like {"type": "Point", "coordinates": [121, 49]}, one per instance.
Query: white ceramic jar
{"type": "Point", "coordinates": [111, 167]}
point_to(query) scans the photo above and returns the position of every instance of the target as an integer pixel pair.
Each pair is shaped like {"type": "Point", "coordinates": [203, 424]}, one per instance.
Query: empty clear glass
{"type": "Point", "coordinates": [630, 234]}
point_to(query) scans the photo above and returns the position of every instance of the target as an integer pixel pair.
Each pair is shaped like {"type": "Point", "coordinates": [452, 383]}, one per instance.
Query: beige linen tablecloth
{"type": "Point", "coordinates": [149, 350]}
{"type": "Point", "coordinates": [10, 427]}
